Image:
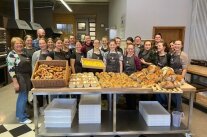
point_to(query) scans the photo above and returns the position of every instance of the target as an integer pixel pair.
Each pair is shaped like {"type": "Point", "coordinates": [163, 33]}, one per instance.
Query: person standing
{"type": "Point", "coordinates": [131, 64]}
{"type": "Point", "coordinates": [95, 53]}
{"type": "Point", "coordinates": [71, 42]}
{"type": "Point", "coordinates": [104, 44]}
{"type": "Point", "coordinates": [19, 67]}
{"type": "Point", "coordinates": [157, 38]}
{"type": "Point", "coordinates": [50, 44]}
{"type": "Point", "coordinates": [87, 45]}
{"type": "Point", "coordinates": [40, 34]}
{"type": "Point", "coordinates": [137, 45]}
{"type": "Point", "coordinates": [113, 59]}
{"type": "Point", "coordinates": [179, 62]}
{"type": "Point", "coordinates": [118, 44]}
{"type": "Point", "coordinates": [75, 60]}
{"type": "Point", "coordinates": [57, 53]}
{"type": "Point", "coordinates": [28, 49]}
{"type": "Point", "coordinates": [66, 49]}
{"type": "Point", "coordinates": [146, 55]}
{"type": "Point", "coordinates": [162, 60]}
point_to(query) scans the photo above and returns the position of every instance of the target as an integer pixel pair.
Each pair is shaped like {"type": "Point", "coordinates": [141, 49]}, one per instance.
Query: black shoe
{"type": "Point", "coordinates": [117, 136]}
{"type": "Point", "coordinates": [142, 136]}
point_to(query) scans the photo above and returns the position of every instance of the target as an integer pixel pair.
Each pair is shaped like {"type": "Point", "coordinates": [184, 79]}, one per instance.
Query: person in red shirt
{"type": "Point", "coordinates": [87, 45]}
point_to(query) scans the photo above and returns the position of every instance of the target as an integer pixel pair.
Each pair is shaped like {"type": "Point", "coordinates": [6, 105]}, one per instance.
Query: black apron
{"type": "Point", "coordinates": [112, 62]}
{"type": "Point", "coordinates": [23, 73]}
{"type": "Point", "coordinates": [43, 56]}
{"type": "Point", "coordinates": [78, 64]}
{"type": "Point", "coordinates": [99, 57]}
{"type": "Point", "coordinates": [104, 50]}
{"type": "Point", "coordinates": [176, 64]}
{"type": "Point", "coordinates": [29, 52]}
{"type": "Point", "coordinates": [162, 61]}
{"type": "Point", "coordinates": [146, 56]}
{"type": "Point", "coordinates": [129, 65]}
{"type": "Point", "coordinates": [59, 55]}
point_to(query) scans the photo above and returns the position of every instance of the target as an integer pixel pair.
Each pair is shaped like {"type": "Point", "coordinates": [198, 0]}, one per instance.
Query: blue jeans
{"type": "Point", "coordinates": [177, 100]}
{"type": "Point", "coordinates": [162, 99]}
{"type": "Point", "coordinates": [21, 106]}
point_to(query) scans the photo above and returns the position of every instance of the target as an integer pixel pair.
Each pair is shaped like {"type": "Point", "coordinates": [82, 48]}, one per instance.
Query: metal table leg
{"type": "Point", "coordinates": [114, 112]}
{"type": "Point", "coordinates": [35, 114]}
{"type": "Point", "coordinates": [169, 101]}
{"type": "Point", "coordinates": [110, 101]}
{"type": "Point", "coordinates": [192, 94]}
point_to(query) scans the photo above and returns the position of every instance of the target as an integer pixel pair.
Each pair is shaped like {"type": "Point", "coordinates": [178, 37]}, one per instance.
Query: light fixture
{"type": "Point", "coordinates": [66, 5]}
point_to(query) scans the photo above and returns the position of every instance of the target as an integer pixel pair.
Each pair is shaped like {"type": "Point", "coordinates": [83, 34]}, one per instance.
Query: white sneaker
{"type": "Point", "coordinates": [27, 121]}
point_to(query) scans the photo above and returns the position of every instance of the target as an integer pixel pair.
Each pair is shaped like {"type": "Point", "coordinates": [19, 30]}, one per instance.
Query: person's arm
{"type": "Point", "coordinates": [34, 59]}
{"type": "Point", "coordinates": [72, 64]}
{"type": "Point", "coordinates": [11, 68]}
{"type": "Point", "coordinates": [121, 62]}
{"type": "Point", "coordinates": [144, 62]}
{"type": "Point", "coordinates": [121, 66]}
{"type": "Point", "coordinates": [104, 60]}
{"type": "Point", "coordinates": [184, 61]}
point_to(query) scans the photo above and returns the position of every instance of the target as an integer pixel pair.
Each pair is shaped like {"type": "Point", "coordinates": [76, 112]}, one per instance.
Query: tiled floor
{"type": "Point", "coordinates": [10, 128]}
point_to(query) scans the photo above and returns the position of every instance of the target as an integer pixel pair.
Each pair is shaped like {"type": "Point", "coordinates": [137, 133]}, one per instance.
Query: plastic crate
{"type": "Point", "coordinates": [61, 107]}
{"type": "Point", "coordinates": [154, 114]}
{"type": "Point", "coordinates": [90, 109]}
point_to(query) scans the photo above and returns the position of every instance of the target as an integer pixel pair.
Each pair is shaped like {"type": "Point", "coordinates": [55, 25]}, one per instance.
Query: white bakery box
{"type": "Point", "coordinates": [60, 113]}
{"type": "Point", "coordinates": [154, 114]}
{"type": "Point", "coordinates": [90, 109]}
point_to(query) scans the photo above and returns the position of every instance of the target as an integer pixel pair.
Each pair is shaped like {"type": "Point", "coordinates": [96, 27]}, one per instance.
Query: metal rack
{"type": "Point", "coordinates": [114, 122]}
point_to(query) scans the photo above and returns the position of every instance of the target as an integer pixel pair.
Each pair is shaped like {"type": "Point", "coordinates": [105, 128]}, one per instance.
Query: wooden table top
{"type": "Point", "coordinates": [65, 90]}
{"type": "Point", "coordinates": [198, 70]}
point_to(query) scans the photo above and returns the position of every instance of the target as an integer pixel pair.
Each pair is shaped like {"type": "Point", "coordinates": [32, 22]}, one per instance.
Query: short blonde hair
{"type": "Point", "coordinates": [14, 40]}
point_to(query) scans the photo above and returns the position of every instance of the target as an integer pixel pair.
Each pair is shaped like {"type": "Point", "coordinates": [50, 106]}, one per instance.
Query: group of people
{"type": "Point", "coordinates": [135, 56]}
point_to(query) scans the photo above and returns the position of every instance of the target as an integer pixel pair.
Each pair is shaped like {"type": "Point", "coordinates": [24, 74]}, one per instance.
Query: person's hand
{"type": "Point", "coordinates": [16, 86]}
{"type": "Point", "coordinates": [142, 61]}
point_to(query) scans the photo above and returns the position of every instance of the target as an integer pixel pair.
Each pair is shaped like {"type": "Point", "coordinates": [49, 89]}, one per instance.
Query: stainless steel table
{"type": "Point", "coordinates": [122, 122]}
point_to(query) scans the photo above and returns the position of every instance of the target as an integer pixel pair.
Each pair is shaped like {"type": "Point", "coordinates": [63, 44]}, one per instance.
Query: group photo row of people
{"type": "Point", "coordinates": [132, 57]}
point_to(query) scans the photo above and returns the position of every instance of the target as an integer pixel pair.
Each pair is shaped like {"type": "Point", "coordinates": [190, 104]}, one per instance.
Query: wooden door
{"type": "Point", "coordinates": [170, 33]}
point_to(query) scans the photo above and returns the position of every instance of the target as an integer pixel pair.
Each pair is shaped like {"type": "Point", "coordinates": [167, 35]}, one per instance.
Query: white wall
{"type": "Point", "coordinates": [117, 10]}
{"type": "Point", "coordinates": [142, 15]}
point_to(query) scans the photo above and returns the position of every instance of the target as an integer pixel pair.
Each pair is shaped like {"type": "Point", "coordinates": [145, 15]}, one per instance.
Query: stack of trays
{"type": "Point", "coordinates": [90, 109]}
{"type": "Point", "coordinates": [154, 114]}
{"type": "Point", "coordinates": [60, 113]}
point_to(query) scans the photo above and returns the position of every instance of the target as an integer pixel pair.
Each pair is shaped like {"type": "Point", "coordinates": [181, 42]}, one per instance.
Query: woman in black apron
{"type": "Point", "coordinates": [75, 60]}
{"type": "Point", "coordinates": [178, 62]}
{"type": "Point", "coordinates": [131, 64]}
{"type": "Point", "coordinates": [162, 60]}
{"type": "Point", "coordinates": [57, 53]}
{"type": "Point", "coordinates": [19, 67]}
{"type": "Point", "coordinates": [28, 49]}
{"type": "Point", "coordinates": [41, 54]}
{"type": "Point", "coordinates": [95, 53]}
{"type": "Point", "coordinates": [50, 44]}
{"type": "Point", "coordinates": [146, 55]}
{"type": "Point", "coordinates": [104, 44]}
{"type": "Point", "coordinates": [113, 59]}
{"type": "Point", "coordinates": [66, 49]}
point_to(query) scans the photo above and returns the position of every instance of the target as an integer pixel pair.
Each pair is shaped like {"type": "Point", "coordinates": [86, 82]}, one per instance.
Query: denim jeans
{"type": "Point", "coordinates": [162, 99]}
{"type": "Point", "coordinates": [177, 100]}
{"type": "Point", "coordinates": [21, 106]}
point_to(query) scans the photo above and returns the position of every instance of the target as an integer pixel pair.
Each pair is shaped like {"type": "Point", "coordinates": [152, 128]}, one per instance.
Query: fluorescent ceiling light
{"type": "Point", "coordinates": [66, 5]}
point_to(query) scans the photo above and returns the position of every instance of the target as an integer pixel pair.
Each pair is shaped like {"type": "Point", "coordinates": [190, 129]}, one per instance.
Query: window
{"type": "Point", "coordinates": [66, 28]}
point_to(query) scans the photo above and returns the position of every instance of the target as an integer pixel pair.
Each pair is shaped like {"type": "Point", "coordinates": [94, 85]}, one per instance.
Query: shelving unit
{"type": "Point", "coordinates": [113, 122]}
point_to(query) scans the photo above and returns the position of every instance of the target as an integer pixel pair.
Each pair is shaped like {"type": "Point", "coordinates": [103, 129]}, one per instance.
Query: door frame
{"type": "Point", "coordinates": [171, 28]}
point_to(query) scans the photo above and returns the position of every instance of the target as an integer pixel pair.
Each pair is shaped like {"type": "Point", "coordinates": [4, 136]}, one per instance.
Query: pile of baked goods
{"type": "Point", "coordinates": [49, 72]}
{"type": "Point", "coordinates": [116, 80]}
{"type": "Point", "coordinates": [165, 77]}
{"type": "Point", "coordinates": [83, 80]}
